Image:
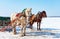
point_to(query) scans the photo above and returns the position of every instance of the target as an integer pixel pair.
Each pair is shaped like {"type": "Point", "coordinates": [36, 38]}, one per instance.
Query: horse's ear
{"type": "Point", "coordinates": [43, 11]}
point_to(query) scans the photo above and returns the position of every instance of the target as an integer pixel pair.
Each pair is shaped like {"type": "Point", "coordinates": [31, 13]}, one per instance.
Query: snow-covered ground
{"type": "Point", "coordinates": [51, 22]}
{"type": "Point", "coordinates": [50, 29]}
{"type": "Point", "coordinates": [43, 34]}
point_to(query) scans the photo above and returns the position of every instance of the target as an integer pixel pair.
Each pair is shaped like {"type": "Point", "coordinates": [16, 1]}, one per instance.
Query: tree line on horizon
{"type": "Point", "coordinates": [4, 21]}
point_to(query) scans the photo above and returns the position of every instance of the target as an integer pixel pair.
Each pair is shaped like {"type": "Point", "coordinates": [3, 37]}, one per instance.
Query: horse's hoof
{"type": "Point", "coordinates": [14, 33]}
{"type": "Point", "coordinates": [39, 29]}
{"type": "Point", "coordinates": [21, 35]}
{"type": "Point", "coordinates": [24, 34]}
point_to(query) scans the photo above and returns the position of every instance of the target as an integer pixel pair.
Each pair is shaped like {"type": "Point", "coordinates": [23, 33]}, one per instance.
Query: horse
{"type": "Point", "coordinates": [32, 20]}
{"type": "Point", "coordinates": [37, 18]}
{"type": "Point", "coordinates": [17, 19]}
{"type": "Point", "coordinates": [20, 20]}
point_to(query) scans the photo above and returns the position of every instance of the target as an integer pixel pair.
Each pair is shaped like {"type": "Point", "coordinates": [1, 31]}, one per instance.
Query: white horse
{"type": "Point", "coordinates": [18, 21]}
{"type": "Point", "coordinates": [22, 22]}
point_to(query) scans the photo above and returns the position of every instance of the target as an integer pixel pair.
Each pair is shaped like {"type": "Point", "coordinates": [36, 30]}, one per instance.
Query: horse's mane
{"type": "Point", "coordinates": [18, 14]}
{"type": "Point", "coordinates": [43, 11]}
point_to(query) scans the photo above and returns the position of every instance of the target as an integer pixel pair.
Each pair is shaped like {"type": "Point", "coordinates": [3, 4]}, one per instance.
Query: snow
{"type": "Point", "coordinates": [49, 30]}
{"type": "Point", "coordinates": [44, 34]}
{"type": "Point", "coordinates": [51, 22]}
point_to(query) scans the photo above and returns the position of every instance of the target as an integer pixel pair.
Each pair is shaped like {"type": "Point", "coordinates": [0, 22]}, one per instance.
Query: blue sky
{"type": "Point", "coordinates": [52, 7]}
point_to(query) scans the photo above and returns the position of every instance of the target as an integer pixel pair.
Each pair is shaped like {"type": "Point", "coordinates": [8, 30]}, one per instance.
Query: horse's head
{"type": "Point", "coordinates": [28, 11]}
{"type": "Point", "coordinates": [44, 14]}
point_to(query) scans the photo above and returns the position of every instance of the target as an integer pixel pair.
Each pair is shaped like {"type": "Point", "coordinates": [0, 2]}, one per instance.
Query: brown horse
{"type": "Point", "coordinates": [37, 18]}
{"type": "Point", "coordinates": [32, 20]}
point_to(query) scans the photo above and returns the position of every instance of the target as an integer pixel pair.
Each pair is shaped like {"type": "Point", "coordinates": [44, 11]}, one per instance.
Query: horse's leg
{"type": "Point", "coordinates": [37, 25]}
{"type": "Point", "coordinates": [14, 29]}
{"type": "Point", "coordinates": [24, 29]}
{"type": "Point", "coordinates": [31, 27]}
{"type": "Point", "coordinates": [21, 31]}
{"type": "Point", "coordinates": [27, 19]}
